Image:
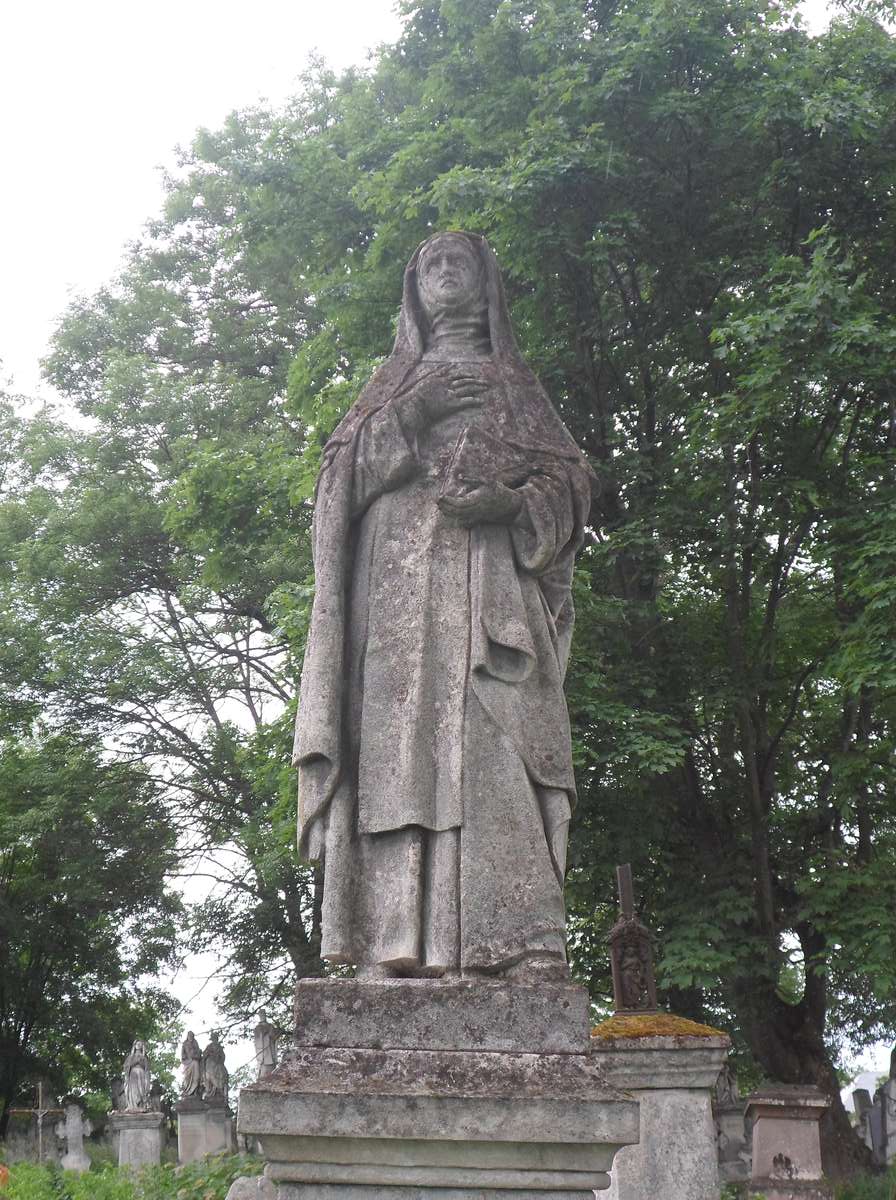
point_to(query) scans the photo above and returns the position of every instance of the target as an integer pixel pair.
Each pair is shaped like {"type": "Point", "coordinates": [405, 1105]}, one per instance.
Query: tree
{"type": "Point", "coordinates": [85, 914]}
{"type": "Point", "coordinates": [693, 209]}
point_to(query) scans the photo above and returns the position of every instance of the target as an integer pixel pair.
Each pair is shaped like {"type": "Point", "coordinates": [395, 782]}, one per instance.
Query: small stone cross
{"type": "Point", "coordinates": [74, 1129]}
{"type": "Point", "coordinates": [631, 953]}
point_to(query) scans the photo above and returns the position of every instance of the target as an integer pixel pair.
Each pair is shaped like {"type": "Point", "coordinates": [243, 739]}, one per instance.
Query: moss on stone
{"type": "Point", "coordinates": [648, 1025]}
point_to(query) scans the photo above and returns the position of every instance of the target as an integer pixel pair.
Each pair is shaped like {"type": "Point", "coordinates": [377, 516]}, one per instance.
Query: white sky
{"type": "Point", "coordinates": [95, 96]}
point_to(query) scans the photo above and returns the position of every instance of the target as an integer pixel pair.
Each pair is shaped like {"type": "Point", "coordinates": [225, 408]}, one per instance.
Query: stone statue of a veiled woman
{"type": "Point", "coordinates": [136, 1075]}
{"type": "Point", "coordinates": [191, 1061]}
{"type": "Point", "coordinates": [432, 742]}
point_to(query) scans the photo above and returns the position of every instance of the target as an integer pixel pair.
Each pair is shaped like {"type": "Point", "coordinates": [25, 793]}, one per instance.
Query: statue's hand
{"type": "Point", "coordinates": [490, 503]}
{"type": "Point", "coordinates": [316, 840]}
{"type": "Point", "coordinates": [445, 390]}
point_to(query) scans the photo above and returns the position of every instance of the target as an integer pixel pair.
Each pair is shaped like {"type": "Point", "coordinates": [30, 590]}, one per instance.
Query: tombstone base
{"type": "Point", "coordinates": [787, 1143]}
{"type": "Point", "coordinates": [140, 1135]}
{"type": "Point", "coordinates": [672, 1078]}
{"type": "Point", "coordinates": [734, 1152]}
{"type": "Point", "coordinates": [365, 1123]}
{"type": "Point", "coordinates": [202, 1129]}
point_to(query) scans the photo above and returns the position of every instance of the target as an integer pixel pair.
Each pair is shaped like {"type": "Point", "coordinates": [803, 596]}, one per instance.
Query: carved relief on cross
{"type": "Point", "coordinates": [631, 954]}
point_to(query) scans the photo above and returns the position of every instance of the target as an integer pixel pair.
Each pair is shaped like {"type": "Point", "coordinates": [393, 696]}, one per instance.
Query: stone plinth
{"type": "Point", "coordinates": [672, 1075]}
{"type": "Point", "coordinates": [457, 1122]}
{"type": "Point", "coordinates": [140, 1137]}
{"type": "Point", "coordinates": [412, 1014]}
{"type": "Point", "coordinates": [731, 1134]}
{"type": "Point", "coordinates": [787, 1143]}
{"type": "Point", "coordinates": [202, 1129]}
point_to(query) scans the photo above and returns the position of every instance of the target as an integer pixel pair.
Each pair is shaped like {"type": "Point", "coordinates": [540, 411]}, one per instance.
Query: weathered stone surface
{"type": "Point", "coordinates": [474, 1122]}
{"type": "Point", "coordinates": [661, 1062]}
{"type": "Point", "coordinates": [265, 1036]}
{"type": "Point", "coordinates": [733, 1147]}
{"type": "Point", "coordinates": [202, 1129]}
{"type": "Point", "coordinates": [410, 1014]}
{"type": "Point", "coordinates": [475, 1095]}
{"type": "Point", "coordinates": [450, 504]}
{"type": "Point", "coordinates": [140, 1137]}
{"type": "Point", "coordinates": [191, 1061]}
{"type": "Point", "coordinates": [342, 1191]}
{"type": "Point", "coordinates": [252, 1187]}
{"type": "Point", "coordinates": [136, 1076]}
{"type": "Point", "coordinates": [786, 1142]}
{"type": "Point", "coordinates": [215, 1078]}
{"type": "Point", "coordinates": [673, 1080]}
{"type": "Point", "coordinates": [74, 1129]}
{"type": "Point", "coordinates": [888, 1096]}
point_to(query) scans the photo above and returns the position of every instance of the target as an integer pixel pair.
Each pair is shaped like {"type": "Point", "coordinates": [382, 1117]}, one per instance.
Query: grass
{"type": "Point", "coordinates": [209, 1179]}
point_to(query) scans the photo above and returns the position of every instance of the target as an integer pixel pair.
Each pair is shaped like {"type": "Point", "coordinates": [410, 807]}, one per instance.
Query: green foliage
{"type": "Point", "coordinates": [869, 1187]}
{"type": "Point", "coordinates": [208, 1179]}
{"type": "Point", "coordinates": [693, 208]}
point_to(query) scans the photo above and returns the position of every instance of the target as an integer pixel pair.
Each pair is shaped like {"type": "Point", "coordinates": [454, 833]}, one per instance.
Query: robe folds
{"type": "Point", "coordinates": [432, 739]}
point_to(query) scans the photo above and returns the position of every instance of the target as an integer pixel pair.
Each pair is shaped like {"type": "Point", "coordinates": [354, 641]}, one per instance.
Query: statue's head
{"type": "Point", "coordinates": [262, 1015]}
{"type": "Point", "coordinates": [216, 1037]}
{"type": "Point", "coordinates": [450, 274]}
{"type": "Point", "coordinates": [139, 1047]}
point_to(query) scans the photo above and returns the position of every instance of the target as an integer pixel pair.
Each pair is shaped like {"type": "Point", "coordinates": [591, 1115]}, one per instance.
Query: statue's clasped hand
{"type": "Point", "coordinates": [488, 503]}
{"type": "Point", "coordinates": [442, 392]}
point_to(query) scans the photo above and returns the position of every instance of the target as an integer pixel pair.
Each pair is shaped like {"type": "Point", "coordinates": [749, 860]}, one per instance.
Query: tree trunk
{"type": "Point", "coordinates": [787, 1040]}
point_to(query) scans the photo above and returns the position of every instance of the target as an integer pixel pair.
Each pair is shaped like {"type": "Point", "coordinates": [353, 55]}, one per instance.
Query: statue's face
{"type": "Point", "coordinates": [449, 275]}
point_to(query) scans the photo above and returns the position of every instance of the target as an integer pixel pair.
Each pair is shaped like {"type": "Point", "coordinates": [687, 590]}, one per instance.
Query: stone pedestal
{"type": "Point", "coordinates": [672, 1077]}
{"type": "Point", "coordinates": [140, 1137]}
{"type": "Point", "coordinates": [405, 1089]}
{"type": "Point", "coordinates": [787, 1143]}
{"type": "Point", "coordinates": [731, 1140]}
{"type": "Point", "coordinates": [202, 1129]}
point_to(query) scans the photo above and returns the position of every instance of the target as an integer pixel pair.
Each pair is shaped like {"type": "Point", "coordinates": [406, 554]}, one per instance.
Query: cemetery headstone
{"type": "Point", "coordinates": [787, 1143]}
{"type": "Point", "coordinates": [74, 1129]}
{"type": "Point", "coordinates": [436, 780]}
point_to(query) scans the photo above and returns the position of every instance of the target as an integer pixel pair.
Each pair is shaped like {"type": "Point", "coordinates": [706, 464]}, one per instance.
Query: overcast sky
{"type": "Point", "coordinates": [95, 96]}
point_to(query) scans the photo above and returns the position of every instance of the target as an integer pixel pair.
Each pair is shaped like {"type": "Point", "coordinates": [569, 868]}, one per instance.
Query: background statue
{"type": "Point", "coordinates": [726, 1091]}
{"type": "Point", "coordinates": [432, 741]}
{"type": "Point", "coordinates": [265, 1037]}
{"type": "Point", "coordinates": [136, 1079]}
{"type": "Point", "coordinates": [116, 1092]}
{"type": "Point", "coordinates": [215, 1081]}
{"type": "Point", "coordinates": [191, 1061]}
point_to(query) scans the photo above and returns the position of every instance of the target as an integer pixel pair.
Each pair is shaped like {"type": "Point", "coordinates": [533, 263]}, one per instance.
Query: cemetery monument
{"type": "Point", "coordinates": [138, 1130]}
{"type": "Point", "coordinates": [436, 782]}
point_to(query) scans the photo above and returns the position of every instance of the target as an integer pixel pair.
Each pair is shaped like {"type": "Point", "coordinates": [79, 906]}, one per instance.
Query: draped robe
{"type": "Point", "coordinates": [433, 740]}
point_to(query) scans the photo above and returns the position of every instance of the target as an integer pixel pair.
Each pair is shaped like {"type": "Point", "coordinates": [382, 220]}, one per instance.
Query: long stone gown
{"type": "Point", "coordinates": [446, 827]}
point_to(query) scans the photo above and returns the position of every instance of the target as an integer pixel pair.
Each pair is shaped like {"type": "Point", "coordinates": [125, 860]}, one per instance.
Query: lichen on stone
{"type": "Point", "coordinates": [648, 1025]}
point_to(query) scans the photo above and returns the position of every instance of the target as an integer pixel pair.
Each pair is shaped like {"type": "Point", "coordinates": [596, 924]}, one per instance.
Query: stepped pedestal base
{"type": "Point", "coordinates": [403, 1122]}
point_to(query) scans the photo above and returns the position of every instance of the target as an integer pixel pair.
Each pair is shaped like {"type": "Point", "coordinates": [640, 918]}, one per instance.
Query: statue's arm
{"type": "Point", "coordinates": [384, 458]}
{"type": "Point", "coordinates": [546, 523]}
